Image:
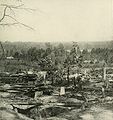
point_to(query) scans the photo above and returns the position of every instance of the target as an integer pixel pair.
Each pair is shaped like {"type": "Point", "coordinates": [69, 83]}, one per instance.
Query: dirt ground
{"type": "Point", "coordinates": [95, 112]}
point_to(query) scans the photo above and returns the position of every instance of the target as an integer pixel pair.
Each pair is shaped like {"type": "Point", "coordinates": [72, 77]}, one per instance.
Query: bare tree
{"type": "Point", "coordinates": [8, 17]}
{"type": "Point", "coordinates": [8, 12]}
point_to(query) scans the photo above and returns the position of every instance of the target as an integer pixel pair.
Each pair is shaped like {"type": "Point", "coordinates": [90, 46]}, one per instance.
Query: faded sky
{"type": "Point", "coordinates": [63, 20]}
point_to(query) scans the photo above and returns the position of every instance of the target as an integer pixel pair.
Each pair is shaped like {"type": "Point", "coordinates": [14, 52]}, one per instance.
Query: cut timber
{"type": "Point", "coordinates": [56, 118]}
{"type": "Point", "coordinates": [37, 94]}
{"type": "Point", "coordinates": [104, 77]}
{"type": "Point", "coordinates": [23, 110]}
{"type": "Point", "coordinates": [62, 91]}
{"type": "Point", "coordinates": [8, 114]}
{"type": "Point", "coordinates": [73, 102]}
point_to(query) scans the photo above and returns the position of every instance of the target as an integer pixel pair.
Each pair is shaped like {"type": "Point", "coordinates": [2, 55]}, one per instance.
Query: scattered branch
{"type": "Point", "coordinates": [11, 8]}
{"type": "Point", "coordinates": [4, 14]}
{"type": "Point", "coordinates": [8, 24]}
{"type": "Point", "coordinates": [17, 7]}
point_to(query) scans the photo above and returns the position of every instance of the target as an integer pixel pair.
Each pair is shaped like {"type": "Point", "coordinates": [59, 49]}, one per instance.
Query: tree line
{"type": "Point", "coordinates": [99, 54]}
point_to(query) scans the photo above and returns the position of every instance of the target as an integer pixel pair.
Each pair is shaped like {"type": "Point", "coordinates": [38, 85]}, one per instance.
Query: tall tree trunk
{"type": "Point", "coordinates": [68, 75]}
{"type": "Point", "coordinates": [52, 80]}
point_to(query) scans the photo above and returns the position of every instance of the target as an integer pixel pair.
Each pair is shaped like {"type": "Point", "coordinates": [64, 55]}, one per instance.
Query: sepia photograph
{"type": "Point", "coordinates": [56, 59]}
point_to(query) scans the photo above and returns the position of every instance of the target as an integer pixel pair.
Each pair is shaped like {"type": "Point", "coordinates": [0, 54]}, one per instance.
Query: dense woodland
{"type": "Point", "coordinates": [58, 52]}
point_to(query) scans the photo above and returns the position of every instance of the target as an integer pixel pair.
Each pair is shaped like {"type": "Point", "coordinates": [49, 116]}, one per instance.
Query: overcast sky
{"type": "Point", "coordinates": [63, 20]}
